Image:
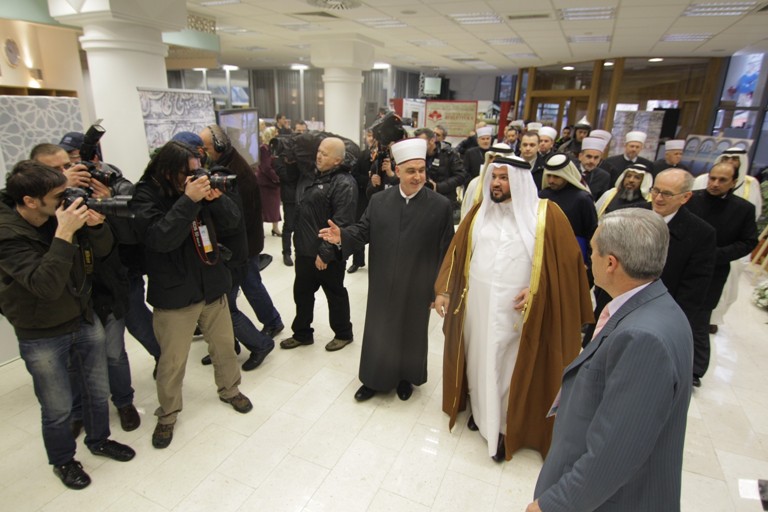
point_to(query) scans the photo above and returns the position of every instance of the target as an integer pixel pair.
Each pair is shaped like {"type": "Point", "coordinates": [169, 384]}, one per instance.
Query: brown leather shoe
{"type": "Point", "coordinates": [239, 402]}
{"type": "Point", "coordinates": [337, 344]}
{"type": "Point", "coordinates": [289, 343]}
{"type": "Point", "coordinates": [162, 436]}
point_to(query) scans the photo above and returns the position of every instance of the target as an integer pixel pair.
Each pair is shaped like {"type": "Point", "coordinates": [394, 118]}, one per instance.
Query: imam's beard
{"type": "Point", "coordinates": [629, 195]}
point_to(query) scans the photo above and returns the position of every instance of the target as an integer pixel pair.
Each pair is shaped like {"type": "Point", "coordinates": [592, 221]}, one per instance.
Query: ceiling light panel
{"type": "Point", "coordinates": [432, 43]}
{"type": "Point", "coordinates": [382, 23]}
{"type": "Point", "coordinates": [719, 9]}
{"type": "Point", "coordinates": [686, 38]}
{"type": "Point", "coordinates": [586, 13]}
{"type": "Point", "coordinates": [589, 39]}
{"type": "Point", "coordinates": [505, 41]}
{"type": "Point", "coordinates": [213, 3]}
{"type": "Point", "coordinates": [475, 18]}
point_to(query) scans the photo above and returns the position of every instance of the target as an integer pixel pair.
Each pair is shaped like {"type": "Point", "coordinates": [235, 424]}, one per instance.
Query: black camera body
{"type": "Point", "coordinates": [219, 180]}
{"type": "Point", "coordinates": [116, 206]}
{"type": "Point", "coordinates": [90, 147]}
{"type": "Point", "coordinates": [106, 176]}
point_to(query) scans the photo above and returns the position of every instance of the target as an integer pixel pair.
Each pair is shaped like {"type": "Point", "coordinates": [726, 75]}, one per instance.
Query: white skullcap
{"type": "Point", "coordinates": [674, 145]}
{"type": "Point", "coordinates": [485, 131]}
{"type": "Point", "coordinates": [548, 131]}
{"type": "Point", "coordinates": [601, 134]}
{"type": "Point", "coordinates": [518, 122]}
{"type": "Point", "coordinates": [595, 143]}
{"type": "Point", "coordinates": [409, 149]}
{"type": "Point", "coordinates": [635, 136]}
{"type": "Point", "coordinates": [534, 127]}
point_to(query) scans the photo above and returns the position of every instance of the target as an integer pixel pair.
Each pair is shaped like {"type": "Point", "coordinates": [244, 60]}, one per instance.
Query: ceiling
{"type": "Point", "coordinates": [419, 34]}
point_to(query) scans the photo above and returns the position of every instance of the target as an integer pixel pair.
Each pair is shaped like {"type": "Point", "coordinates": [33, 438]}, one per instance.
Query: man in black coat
{"type": "Point", "coordinates": [475, 157]}
{"type": "Point", "coordinates": [633, 145]}
{"type": "Point", "coordinates": [445, 170]}
{"type": "Point", "coordinates": [596, 178]}
{"type": "Point", "coordinates": [331, 194]}
{"type": "Point", "coordinates": [734, 221]}
{"type": "Point", "coordinates": [691, 256]}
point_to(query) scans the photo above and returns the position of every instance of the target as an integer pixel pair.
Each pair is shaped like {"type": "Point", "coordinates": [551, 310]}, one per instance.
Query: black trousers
{"type": "Point", "coordinates": [289, 225]}
{"type": "Point", "coordinates": [701, 346]}
{"type": "Point", "coordinates": [307, 281]}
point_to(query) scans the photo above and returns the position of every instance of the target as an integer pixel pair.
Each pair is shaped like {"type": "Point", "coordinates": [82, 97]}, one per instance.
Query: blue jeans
{"type": "Point", "coordinates": [47, 360]}
{"type": "Point", "coordinates": [258, 297]}
{"type": "Point", "coordinates": [118, 369]}
{"type": "Point", "coordinates": [245, 332]}
{"type": "Point", "coordinates": [138, 319]}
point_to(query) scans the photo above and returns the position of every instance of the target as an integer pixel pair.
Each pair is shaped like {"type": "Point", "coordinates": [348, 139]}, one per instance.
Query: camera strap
{"type": "Point", "coordinates": [204, 236]}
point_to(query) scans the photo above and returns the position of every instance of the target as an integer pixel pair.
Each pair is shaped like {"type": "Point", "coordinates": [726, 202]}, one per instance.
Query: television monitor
{"type": "Point", "coordinates": [242, 127]}
{"type": "Point", "coordinates": [432, 85]}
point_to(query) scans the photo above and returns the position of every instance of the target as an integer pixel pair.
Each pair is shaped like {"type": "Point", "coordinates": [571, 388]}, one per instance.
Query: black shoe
{"type": "Point", "coordinates": [404, 390]}
{"type": "Point", "coordinates": [287, 261]}
{"type": "Point", "coordinates": [471, 425]}
{"type": "Point", "coordinates": [696, 382]}
{"type": "Point", "coordinates": [114, 451]}
{"type": "Point", "coordinates": [239, 402]}
{"type": "Point", "coordinates": [255, 360]}
{"type": "Point", "coordinates": [72, 475]}
{"type": "Point", "coordinates": [364, 393]}
{"type": "Point", "coordinates": [712, 329]}
{"type": "Point", "coordinates": [264, 261]}
{"type": "Point", "coordinates": [76, 426]}
{"type": "Point", "coordinates": [501, 451]}
{"type": "Point", "coordinates": [206, 360]}
{"type": "Point", "coordinates": [154, 372]}
{"type": "Point", "coordinates": [162, 436]}
{"type": "Point", "coordinates": [273, 330]}
{"type": "Point", "coordinates": [198, 332]}
{"type": "Point", "coordinates": [129, 418]}
{"type": "Point", "coordinates": [354, 268]}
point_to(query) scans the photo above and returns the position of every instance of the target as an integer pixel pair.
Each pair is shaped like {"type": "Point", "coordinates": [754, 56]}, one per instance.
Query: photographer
{"type": "Point", "coordinates": [177, 218]}
{"type": "Point", "coordinates": [110, 302]}
{"type": "Point", "coordinates": [46, 263]}
{"type": "Point", "coordinates": [387, 130]}
{"type": "Point", "coordinates": [445, 170]}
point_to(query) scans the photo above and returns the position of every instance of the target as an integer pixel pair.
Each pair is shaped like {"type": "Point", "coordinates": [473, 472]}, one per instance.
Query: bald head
{"type": "Point", "coordinates": [671, 190]}
{"type": "Point", "coordinates": [330, 154]}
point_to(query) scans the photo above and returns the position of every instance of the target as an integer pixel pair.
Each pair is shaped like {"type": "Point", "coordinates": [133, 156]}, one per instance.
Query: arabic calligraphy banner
{"type": "Point", "coordinates": [458, 117]}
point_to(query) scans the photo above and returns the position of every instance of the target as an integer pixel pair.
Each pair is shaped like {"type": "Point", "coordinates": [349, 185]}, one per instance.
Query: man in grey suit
{"type": "Point", "coordinates": [621, 413]}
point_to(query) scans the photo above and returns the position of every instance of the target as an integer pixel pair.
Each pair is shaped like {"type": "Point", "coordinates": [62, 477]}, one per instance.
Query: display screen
{"type": "Point", "coordinates": [432, 85]}
{"type": "Point", "coordinates": [242, 126]}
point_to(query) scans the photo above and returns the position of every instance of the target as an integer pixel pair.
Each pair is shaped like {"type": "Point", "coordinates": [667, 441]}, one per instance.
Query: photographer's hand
{"type": "Point", "coordinates": [70, 220]}
{"type": "Point", "coordinates": [332, 234]}
{"type": "Point", "coordinates": [320, 264]}
{"type": "Point", "coordinates": [94, 218]}
{"type": "Point", "coordinates": [100, 190]}
{"type": "Point", "coordinates": [386, 166]}
{"type": "Point", "coordinates": [78, 176]}
{"type": "Point", "coordinates": [376, 180]}
{"type": "Point", "coordinates": [214, 194]}
{"type": "Point", "coordinates": [197, 189]}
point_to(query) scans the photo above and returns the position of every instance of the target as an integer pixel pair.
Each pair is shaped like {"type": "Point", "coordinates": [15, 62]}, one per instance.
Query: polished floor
{"type": "Point", "coordinates": [308, 446]}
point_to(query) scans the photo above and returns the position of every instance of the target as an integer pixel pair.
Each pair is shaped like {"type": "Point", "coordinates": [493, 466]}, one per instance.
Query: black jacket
{"type": "Point", "coordinates": [178, 277]}
{"type": "Point", "coordinates": [330, 195]}
{"type": "Point", "coordinates": [446, 169]}
{"type": "Point", "coordinates": [598, 180]}
{"type": "Point", "coordinates": [45, 289]}
{"type": "Point", "coordinates": [474, 159]}
{"type": "Point", "coordinates": [616, 164]}
{"type": "Point", "coordinates": [248, 188]}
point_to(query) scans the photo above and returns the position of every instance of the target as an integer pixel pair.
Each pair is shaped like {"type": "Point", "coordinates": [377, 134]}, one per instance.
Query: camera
{"type": "Point", "coordinates": [386, 130]}
{"type": "Point", "coordinates": [90, 146]}
{"type": "Point", "coordinates": [218, 178]}
{"type": "Point", "coordinates": [105, 175]}
{"type": "Point", "coordinates": [116, 206]}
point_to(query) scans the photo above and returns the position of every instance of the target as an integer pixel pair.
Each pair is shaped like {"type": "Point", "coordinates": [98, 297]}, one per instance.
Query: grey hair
{"type": "Point", "coordinates": [638, 238]}
{"type": "Point", "coordinates": [687, 185]}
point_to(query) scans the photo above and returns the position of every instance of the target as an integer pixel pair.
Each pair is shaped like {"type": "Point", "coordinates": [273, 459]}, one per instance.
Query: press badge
{"type": "Point", "coordinates": [205, 238]}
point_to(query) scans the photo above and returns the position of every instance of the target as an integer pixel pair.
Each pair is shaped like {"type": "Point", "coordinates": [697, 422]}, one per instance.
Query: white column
{"type": "Point", "coordinates": [344, 58]}
{"type": "Point", "coordinates": [124, 47]}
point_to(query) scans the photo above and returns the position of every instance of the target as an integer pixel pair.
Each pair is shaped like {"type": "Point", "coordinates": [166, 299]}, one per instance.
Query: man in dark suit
{"type": "Point", "coordinates": [622, 409]}
{"type": "Point", "coordinates": [597, 179]}
{"type": "Point", "coordinates": [633, 145]}
{"type": "Point", "coordinates": [692, 243]}
{"type": "Point", "coordinates": [734, 221]}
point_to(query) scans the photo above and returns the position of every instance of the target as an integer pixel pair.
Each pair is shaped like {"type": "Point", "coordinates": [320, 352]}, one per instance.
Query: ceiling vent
{"type": "Point", "coordinates": [317, 14]}
{"type": "Point", "coordinates": [335, 5]}
{"type": "Point", "coordinates": [532, 16]}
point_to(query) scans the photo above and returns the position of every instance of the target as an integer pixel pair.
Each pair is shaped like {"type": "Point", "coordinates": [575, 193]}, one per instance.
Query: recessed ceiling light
{"type": "Point", "coordinates": [199, 69]}
{"type": "Point", "coordinates": [504, 41]}
{"type": "Point", "coordinates": [212, 3]}
{"type": "Point", "coordinates": [382, 23]}
{"type": "Point", "coordinates": [228, 29]}
{"type": "Point", "coordinates": [568, 68]}
{"type": "Point", "coordinates": [586, 13]}
{"type": "Point", "coordinates": [475, 18]}
{"type": "Point", "coordinates": [479, 64]}
{"type": "Point", "coordinates": [381, 65]}
{"type": "Point", "coordinates": [229, 67]}
{"type": "Point", "coordinates": [656, 59]}
{"type": "Point", "coordinates": [686, 37]}
{"type": "Point", "coordinates": [608, 64]}
{"type": "Point", "coordinates": [435, 43]}
{"type": "Point", "coordinates": [299, 67]}
{"type": "Point", "coordinates": [589, 39]}
{"type": "Point", "coordinates": [719, 9]}
{"type": "Point", "coordinates": [520, 56]}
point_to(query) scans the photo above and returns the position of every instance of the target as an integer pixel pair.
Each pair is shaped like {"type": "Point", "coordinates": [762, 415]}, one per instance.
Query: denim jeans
{"type": "Point", "coordinates": [118, 369]}
{"type": "Point", "coordinates": [258, 297]}
{"type": "Point", "coordinates": [47, 360]}
{"type": "Point", "coordinates": [138, 319]}
{"type": "Point", "coordinates": [245, 332]}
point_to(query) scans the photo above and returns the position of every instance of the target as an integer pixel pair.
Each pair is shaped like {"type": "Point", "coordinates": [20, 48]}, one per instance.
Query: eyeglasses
{"type": "Point", "coordinates": [666, 194]}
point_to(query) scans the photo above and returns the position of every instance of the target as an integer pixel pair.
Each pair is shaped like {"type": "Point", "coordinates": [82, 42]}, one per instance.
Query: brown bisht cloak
{"type": "Point", "coordinates": [559, 304]}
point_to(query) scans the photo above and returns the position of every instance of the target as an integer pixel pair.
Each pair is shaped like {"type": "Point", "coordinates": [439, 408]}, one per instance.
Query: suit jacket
{"type": "Point", "coordinates": [690, 260]}
{"type": "Point", "coordinates": [598, 181]}
{"type": "Point", "coordinates": [616, 164]}
{"type": "Point", "coordinates": [620, 426]}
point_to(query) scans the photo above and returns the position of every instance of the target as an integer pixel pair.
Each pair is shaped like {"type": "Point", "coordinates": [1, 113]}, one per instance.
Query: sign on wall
{"type": "Point", "coordinates": [627, 121]}
{"type": "Point", "coordinates": [167, 112]}
{"type": "Point", "coordinates": [458, 117]}
{"type": "Point", "coordinates": [701, 150]}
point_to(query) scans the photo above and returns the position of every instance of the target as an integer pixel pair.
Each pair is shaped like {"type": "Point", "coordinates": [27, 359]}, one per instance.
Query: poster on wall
{"type": "Point", "coordinates": [701, 150]}
{"type": "Point", "coordinates": [167, 112]}
{"type": "Point", "coordinates": [415, 110]}
{"type": "Point", "coordinates": [458, 117]}
{"type": "Point", "coordinates": [745, 82]}
{"type": "Point", "coordinates": [26, 121]}
{"type": "Point", "coordinates": [627, 121]}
